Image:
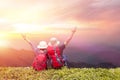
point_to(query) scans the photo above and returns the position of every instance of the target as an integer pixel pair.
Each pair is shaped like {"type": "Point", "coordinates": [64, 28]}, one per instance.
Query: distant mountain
{"type": "Point", "coordinates": [87, 65]}
{"type": "Point", "coordinates": [93, 55]}
{"type": "Point", "coordinates": [12, 57]}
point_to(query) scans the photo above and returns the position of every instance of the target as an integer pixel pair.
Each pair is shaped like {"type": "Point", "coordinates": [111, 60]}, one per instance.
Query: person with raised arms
{"type": "Point", "coordinates": [40, 60]}
{"type": "Point", "coordinates": [55, 51]}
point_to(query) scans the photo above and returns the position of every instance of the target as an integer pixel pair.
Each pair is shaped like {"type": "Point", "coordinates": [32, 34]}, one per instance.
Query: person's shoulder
{"type": "Point", "coordinates": [61, 44]}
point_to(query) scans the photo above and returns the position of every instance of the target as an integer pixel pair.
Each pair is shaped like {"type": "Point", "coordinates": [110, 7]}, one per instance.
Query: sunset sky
{"type": "Point", "coordinates": [98, 21]}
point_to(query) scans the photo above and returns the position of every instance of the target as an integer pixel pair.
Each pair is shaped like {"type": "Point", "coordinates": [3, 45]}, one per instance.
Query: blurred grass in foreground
{"type": "Point", "coordinates": [27, 73]}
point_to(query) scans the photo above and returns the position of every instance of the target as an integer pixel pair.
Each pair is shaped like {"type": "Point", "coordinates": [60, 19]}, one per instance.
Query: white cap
{"type": "Point", "coordinates": [42, 45]}
{"type": "Point", "coordinates": [53, 42]}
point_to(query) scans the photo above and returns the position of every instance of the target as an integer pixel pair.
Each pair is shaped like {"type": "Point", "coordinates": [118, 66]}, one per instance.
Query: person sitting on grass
{"type": "Point", "coordinates": [40, 60]}
{"type": "Point", "coordinates": [55, 51]}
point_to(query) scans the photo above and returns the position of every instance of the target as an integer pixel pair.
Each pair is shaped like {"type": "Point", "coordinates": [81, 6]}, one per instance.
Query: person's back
{"type": "Point", "coordinates": [40, 61]}
{"type": "Point", "coordinates": [54, 53]}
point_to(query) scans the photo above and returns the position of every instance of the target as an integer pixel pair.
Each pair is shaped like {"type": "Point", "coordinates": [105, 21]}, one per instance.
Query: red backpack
{"type": "Point", "coordinates": [40, 62]}
{"type": "Point", "coordinates": [54, 55]}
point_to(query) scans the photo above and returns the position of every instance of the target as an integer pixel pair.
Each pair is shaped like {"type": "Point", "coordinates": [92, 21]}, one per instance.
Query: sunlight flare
{"type": "Point", "coordinates": [4, 43]}
{"type": "Point", "coordinates": [27, 28]}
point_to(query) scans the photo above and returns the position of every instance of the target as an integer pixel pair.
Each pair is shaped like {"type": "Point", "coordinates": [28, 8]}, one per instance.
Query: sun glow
{"type": "Point", "coordinates": [27, 28]}
{"type": "Point", "coordinates": [4, 43]}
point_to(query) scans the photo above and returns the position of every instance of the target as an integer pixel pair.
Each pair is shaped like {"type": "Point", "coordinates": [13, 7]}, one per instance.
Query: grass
{"type": "Point", "coordinates": [27, 73]}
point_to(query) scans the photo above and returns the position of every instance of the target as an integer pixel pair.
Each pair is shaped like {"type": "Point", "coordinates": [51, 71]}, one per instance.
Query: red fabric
{"type": "Point", "coordinates": [39, 62]}
{"type": "Point", "coordinates": [52, 56]}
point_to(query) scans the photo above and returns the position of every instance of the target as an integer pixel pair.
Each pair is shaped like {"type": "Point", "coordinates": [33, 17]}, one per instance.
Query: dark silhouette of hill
{"type": "Point", "coordinates": [94, 54]}
{"type": "Point", "coordinates": [87, 65]}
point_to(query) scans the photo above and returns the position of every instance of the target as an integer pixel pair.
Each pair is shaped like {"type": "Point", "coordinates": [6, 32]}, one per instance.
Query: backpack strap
{"type": "Point", "coordinates": [49, 61]}
{"type": "Point", "coordinates": [58, 59]}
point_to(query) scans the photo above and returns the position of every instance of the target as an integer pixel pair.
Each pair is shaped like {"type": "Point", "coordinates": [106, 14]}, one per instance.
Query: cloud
{"type": "Point", "coordinates": [89, 12]}
{"type": "Point", "coordinates": [96, 10]}
{"type": "Point", "coordinates": [106, 3]}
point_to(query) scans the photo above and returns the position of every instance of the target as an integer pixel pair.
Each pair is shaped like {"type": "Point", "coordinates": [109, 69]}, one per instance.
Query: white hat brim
{"type": "Point", "coordinates": [42, 47]}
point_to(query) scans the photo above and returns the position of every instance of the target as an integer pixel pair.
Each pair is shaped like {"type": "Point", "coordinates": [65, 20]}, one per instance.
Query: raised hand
{"type": "Point", "coordinates": [24, 36]}
{"type": "Point", "coordinates": [74, 29]}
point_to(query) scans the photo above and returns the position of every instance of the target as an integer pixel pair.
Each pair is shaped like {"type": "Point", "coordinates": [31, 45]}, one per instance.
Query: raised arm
{"type": "Point", "coordinates": [28, 41]}
{"type": "Point", "coordinates": [70, 37]}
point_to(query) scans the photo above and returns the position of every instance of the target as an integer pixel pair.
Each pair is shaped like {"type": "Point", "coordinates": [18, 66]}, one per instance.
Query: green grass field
{"type": "Point", "coordinates": [27, 73]}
